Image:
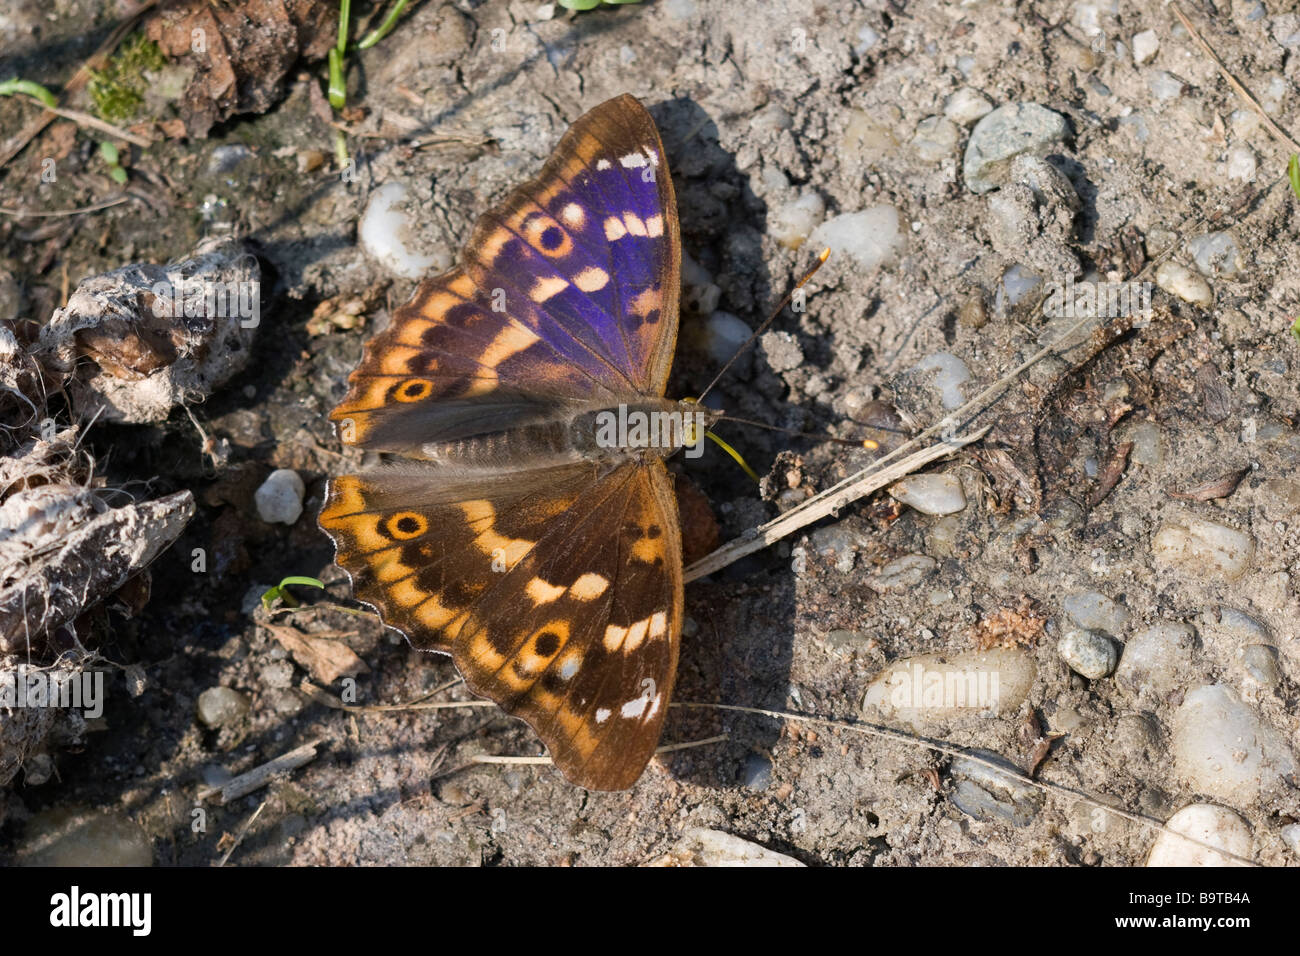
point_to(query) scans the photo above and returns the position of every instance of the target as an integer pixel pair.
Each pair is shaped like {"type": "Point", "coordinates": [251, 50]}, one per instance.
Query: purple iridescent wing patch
{"type": "Point", "coordinates": [567, 289]}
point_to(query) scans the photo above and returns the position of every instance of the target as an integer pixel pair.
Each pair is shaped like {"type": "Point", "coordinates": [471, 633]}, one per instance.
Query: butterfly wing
{"type": "Point", "coordinates": [558, 594]}
{"type": "Point", "coordinates": [567, 290]}
{"type": "Point", "coordinates": [592, 243]}
{"type": "Point", "coordinates": [423, 549]}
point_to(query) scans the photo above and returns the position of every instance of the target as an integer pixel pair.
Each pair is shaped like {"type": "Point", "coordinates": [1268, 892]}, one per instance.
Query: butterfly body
{"type": "Point", "coordinates": [566, 433]}
{"type": "Point", "coordinates": [530, 528]}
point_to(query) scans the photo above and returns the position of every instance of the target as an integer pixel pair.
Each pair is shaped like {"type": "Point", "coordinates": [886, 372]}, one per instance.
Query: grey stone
{"type": "Point", "coordinates": [1005, 133]}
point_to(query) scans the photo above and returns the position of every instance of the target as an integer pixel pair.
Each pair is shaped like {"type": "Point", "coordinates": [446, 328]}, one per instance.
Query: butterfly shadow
{"type": "Point", "coordinates": [737, 643]}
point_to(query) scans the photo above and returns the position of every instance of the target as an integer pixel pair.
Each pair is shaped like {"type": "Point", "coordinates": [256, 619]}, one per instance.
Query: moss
{"type": "Point", "coordinates": [118, 89]}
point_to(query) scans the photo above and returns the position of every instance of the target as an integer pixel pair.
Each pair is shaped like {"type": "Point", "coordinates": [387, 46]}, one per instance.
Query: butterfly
{"type": "Point", "coordinates": [530, 529]}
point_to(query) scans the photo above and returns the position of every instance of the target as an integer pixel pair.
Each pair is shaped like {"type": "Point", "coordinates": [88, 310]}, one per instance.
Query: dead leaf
{"type": "Point", "coordinates": [326, 659]}
{"type": "Point", "coordinates": [1042, 746]}
{"type": "Point", "coordinates": [1218, 488]}
{"type": "Point", "coordinates": [1111, 473]}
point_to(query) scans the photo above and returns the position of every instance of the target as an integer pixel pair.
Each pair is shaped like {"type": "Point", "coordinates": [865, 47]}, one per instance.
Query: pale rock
{"type": "Point", "coordinates": [704, 847]}
{"type": "Point", "coordinates": [1222, 748]}
{"type": "Point", "coordinates": [1177, 279]}
{"type": "Point", "coordinates": [1164, 85]}
{"type": "Point", "coordinates": [1242, 164]}
{"type": "Point", "coordinates": [1203, 548]}
{"type": "Point", "coordinates": [1003, 134]}
{"type": "Point", "coordinates": [1215, 254]}
{"type": "Point", "coordinates": [904, 573]}
{"type": "Point", "coordinates": [935, 139]}
{"type": "Point", "coordinates": [1158, 657]}
{"type": "Point", "coordinates": [1145, 46]}
{"type": "Point", "coordinates": [279, 499]}
{"type": "Point", "coordinates": [931, 494]}
{"type": "Point", "coordinates": [75, 837]}
{"type": "Point", "coordinates": [966, 106]}
{"type": "Point", "coordinates": [1096, 612]}
{"type": "Point", "coordinates": [219, 706]}
{"type": "Point", "coordinates": [927, 689]}
{"type": "Point", "coordinates": [1089, 653]}
{"type": "Point", "coordinates": [724, 334]}
{"type": "Point", "coordinates": [872, 236]}
{"type": "Point", "coordinates": [1207, 824]}
{"type": "Point", "coordinates": [386, 232]}
{"type": "Point", "coordinates": [946, 374]}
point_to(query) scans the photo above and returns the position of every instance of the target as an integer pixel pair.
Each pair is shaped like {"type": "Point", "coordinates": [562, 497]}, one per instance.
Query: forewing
{"type": "Point", "coordinates": [592, 243]}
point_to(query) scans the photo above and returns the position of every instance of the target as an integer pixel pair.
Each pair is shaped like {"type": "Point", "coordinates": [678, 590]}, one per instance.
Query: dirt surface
{"type": "Point", "coordinates": [759, 103]}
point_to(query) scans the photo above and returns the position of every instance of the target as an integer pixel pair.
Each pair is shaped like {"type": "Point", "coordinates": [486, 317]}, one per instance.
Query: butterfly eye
{"type": "Point", "coordinates": [406, 525]}
{"type": "Point", "coordinates": [413, 390]}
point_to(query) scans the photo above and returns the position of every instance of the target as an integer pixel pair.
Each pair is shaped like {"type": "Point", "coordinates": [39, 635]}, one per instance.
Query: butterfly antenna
{"type": "Point", "coordinates": [770, 319]}
{"type": "Point", "coordinates": [816, 436]}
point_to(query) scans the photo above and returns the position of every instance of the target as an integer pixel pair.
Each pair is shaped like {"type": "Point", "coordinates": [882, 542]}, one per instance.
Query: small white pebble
{"type": "Point", "coordinates": [1177, 279]}
{"type": "Point", "coordinates": [1145, 45]}
{"type": "Point", "coordinates": [966, 106]}
{"type": "Point", "coordinates": [279, 499]}
{"type": "Point", "coordinates": [930, 494]}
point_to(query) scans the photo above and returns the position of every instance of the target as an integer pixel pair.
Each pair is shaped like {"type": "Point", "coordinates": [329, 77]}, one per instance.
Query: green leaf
{"type": "Point", "coordinates": [109, 152]}
{"type": "Point", "coordinates": [118, 175]}
{"type": "Point", "coordinates": [1295, 329]}
{"type": "Point", "coordinates": [35, 90]}
{"type": "Point", "coordinates": [580, 4]}
{"type": "Point", "coordinates": [278, 592]}
{"type": "Point", "coordinates": [1293, 173]}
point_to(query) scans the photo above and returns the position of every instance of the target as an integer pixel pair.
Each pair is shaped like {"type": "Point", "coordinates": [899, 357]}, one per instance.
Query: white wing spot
{"type": "Point", "coordinates": [658, 624]}
{"type": "Point", "coordinates": [634, 224]}
{"type": "Point", "coordinates": [570, 667]}
{"type": "Point", "coordinates": [633, 161]}
{"type": "Point", "coordinates": [654, 707]}
{"type": "Point", "coordinates": [614, 637]}
{"type": "Point", "coordinates": [591, 279]}
{"type": "Point", "coordinates": [614, 228]}
{"type": "Point", "coordinates": [573, 214]}
{"type": "Point", "coordinates": [654, 226]}
{"type": "Point", "coordinates": [543, 592]}
{"type": "Point", "coordinates": [634, 708]}
{"type": "Point", "coordinates": [589, 587]}
{"type": "Point", "coordinates": [603, 164]}
{"type": "Point", "coordinates": [547, 287]}
{"type": "Point", "coordinates": [602, 715]}
{"type": "Point", "coordinates": [635, 635]}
